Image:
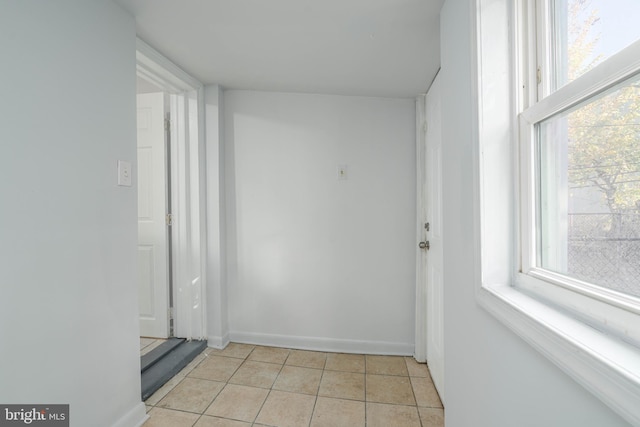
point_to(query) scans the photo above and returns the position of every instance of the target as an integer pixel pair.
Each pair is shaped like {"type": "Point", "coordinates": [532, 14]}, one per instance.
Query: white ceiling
{"type": "Point", "coordinates": [388, 48]}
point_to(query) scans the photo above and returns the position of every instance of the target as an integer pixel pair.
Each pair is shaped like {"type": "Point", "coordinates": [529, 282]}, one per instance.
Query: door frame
{"type": "Point", "coordinates": [426, 206]}
{"type": "Point", "coordinates": [187, 181]}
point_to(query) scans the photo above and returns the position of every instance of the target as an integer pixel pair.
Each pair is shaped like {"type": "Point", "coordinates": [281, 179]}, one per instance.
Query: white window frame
{"type": "Point", "coordinates": [586, 331]}
{"type": "Point", "coordinates": [608, 309]}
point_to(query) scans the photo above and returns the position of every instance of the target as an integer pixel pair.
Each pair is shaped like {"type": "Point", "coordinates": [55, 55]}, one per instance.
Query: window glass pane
{"type": "Point", "coordinates": [586, 32]}
{"type": "Point", "coordinates": [589, 190]}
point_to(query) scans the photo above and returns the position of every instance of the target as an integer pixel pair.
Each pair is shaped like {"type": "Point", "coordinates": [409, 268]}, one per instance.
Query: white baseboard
{"type": "Point", "coordinates": [218, 342]}
{"type": "Point", "coordinates": [324, 344]}
{"type": "Point", "coordinates": [135, 417]}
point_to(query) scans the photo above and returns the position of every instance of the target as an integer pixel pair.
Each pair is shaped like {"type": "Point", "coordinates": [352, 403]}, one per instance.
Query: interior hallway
{"type": "Point", "coordinates": [246, 385]}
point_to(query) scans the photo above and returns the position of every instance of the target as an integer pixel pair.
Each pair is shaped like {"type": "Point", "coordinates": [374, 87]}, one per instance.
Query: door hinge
{"type": "Point", "coordinates": [167, 124]}
{"type": "Point", "coordinates": [427, 226]}
{"type": "Point", "coordinates": [539, 75]}
{"type": "Point", "coordinates": [169, 219]}
{"type": "Point", "coordinates": [170, 313]}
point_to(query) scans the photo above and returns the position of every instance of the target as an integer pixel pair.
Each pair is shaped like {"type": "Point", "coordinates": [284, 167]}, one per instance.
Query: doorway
{"type": "Point", "coordinates": [171, 215]}
{"type": "Point", "coordinates": [183, 99]}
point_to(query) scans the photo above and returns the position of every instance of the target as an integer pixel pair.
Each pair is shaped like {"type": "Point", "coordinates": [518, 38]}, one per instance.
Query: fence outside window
{"type": "Point", "coordinates": [605, 249]}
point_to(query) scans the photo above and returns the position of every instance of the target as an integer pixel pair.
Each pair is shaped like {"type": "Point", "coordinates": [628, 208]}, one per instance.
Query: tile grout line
{"type": "Point", "coordinates": [313, 410]}
{"type": "Point", "coordinates": [366, 404]}
{"type": "Point", "coordinates": [226, 383]}
{"type": "Point", "coordinates": [205, 356]}
{"type": "Point", "coordinates": [413, 392]}
{"type": "Point", "coordinates": [255, 419]}
{"type": "Point", "coordinates": [315, 402]}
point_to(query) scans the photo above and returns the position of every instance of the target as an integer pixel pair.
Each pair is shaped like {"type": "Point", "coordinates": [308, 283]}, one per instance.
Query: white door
{"type": "Point", "coordinates": [153, 276]}
{"type": "Point", "coordinates": [431, 233]}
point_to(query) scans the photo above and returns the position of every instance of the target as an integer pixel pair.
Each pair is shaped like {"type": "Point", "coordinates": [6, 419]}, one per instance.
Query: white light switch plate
{"type": "Point", "coordinates": [124, 173]}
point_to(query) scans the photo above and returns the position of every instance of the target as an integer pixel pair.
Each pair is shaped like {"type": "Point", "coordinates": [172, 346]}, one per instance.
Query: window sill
{"type": "Point", "coordinates": [606, 366]}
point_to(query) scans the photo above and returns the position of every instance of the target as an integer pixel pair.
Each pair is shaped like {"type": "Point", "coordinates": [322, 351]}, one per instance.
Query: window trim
{"type": "Point", "coordinates": [595, 358]}
{"type": "Point", "coordinates": [605, 366]}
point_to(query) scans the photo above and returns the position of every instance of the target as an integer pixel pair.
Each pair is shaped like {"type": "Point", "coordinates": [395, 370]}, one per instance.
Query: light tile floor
{"type": "Point", "coordinates": [245, 385]}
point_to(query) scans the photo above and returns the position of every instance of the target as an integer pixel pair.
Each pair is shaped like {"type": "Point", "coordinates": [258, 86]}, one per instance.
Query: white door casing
{"type": "Point", "coordinates": [153, 271]}
{"type": "Point", "coordinates": [434, 262]}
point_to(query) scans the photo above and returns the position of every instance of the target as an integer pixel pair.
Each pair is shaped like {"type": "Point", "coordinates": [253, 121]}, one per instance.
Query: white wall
{"type": "Point", "coordinates": [312, 261]}
{"type": "Point", "coordinates": [492, 378]}
{"type": "Point", "coordinates": [68, 306]}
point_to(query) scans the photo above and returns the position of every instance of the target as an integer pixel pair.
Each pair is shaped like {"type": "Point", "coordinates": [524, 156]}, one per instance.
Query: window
{"type": "Point", "coordinates": [589, 190]}
{"type": "Point", "coordinates": [580, 147]}
{"type": "Point", "coordinates": [558, 129]}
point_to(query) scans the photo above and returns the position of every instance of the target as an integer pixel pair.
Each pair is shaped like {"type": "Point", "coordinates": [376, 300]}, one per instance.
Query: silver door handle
{"type": "Point", "coordinates": [424, 245]}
